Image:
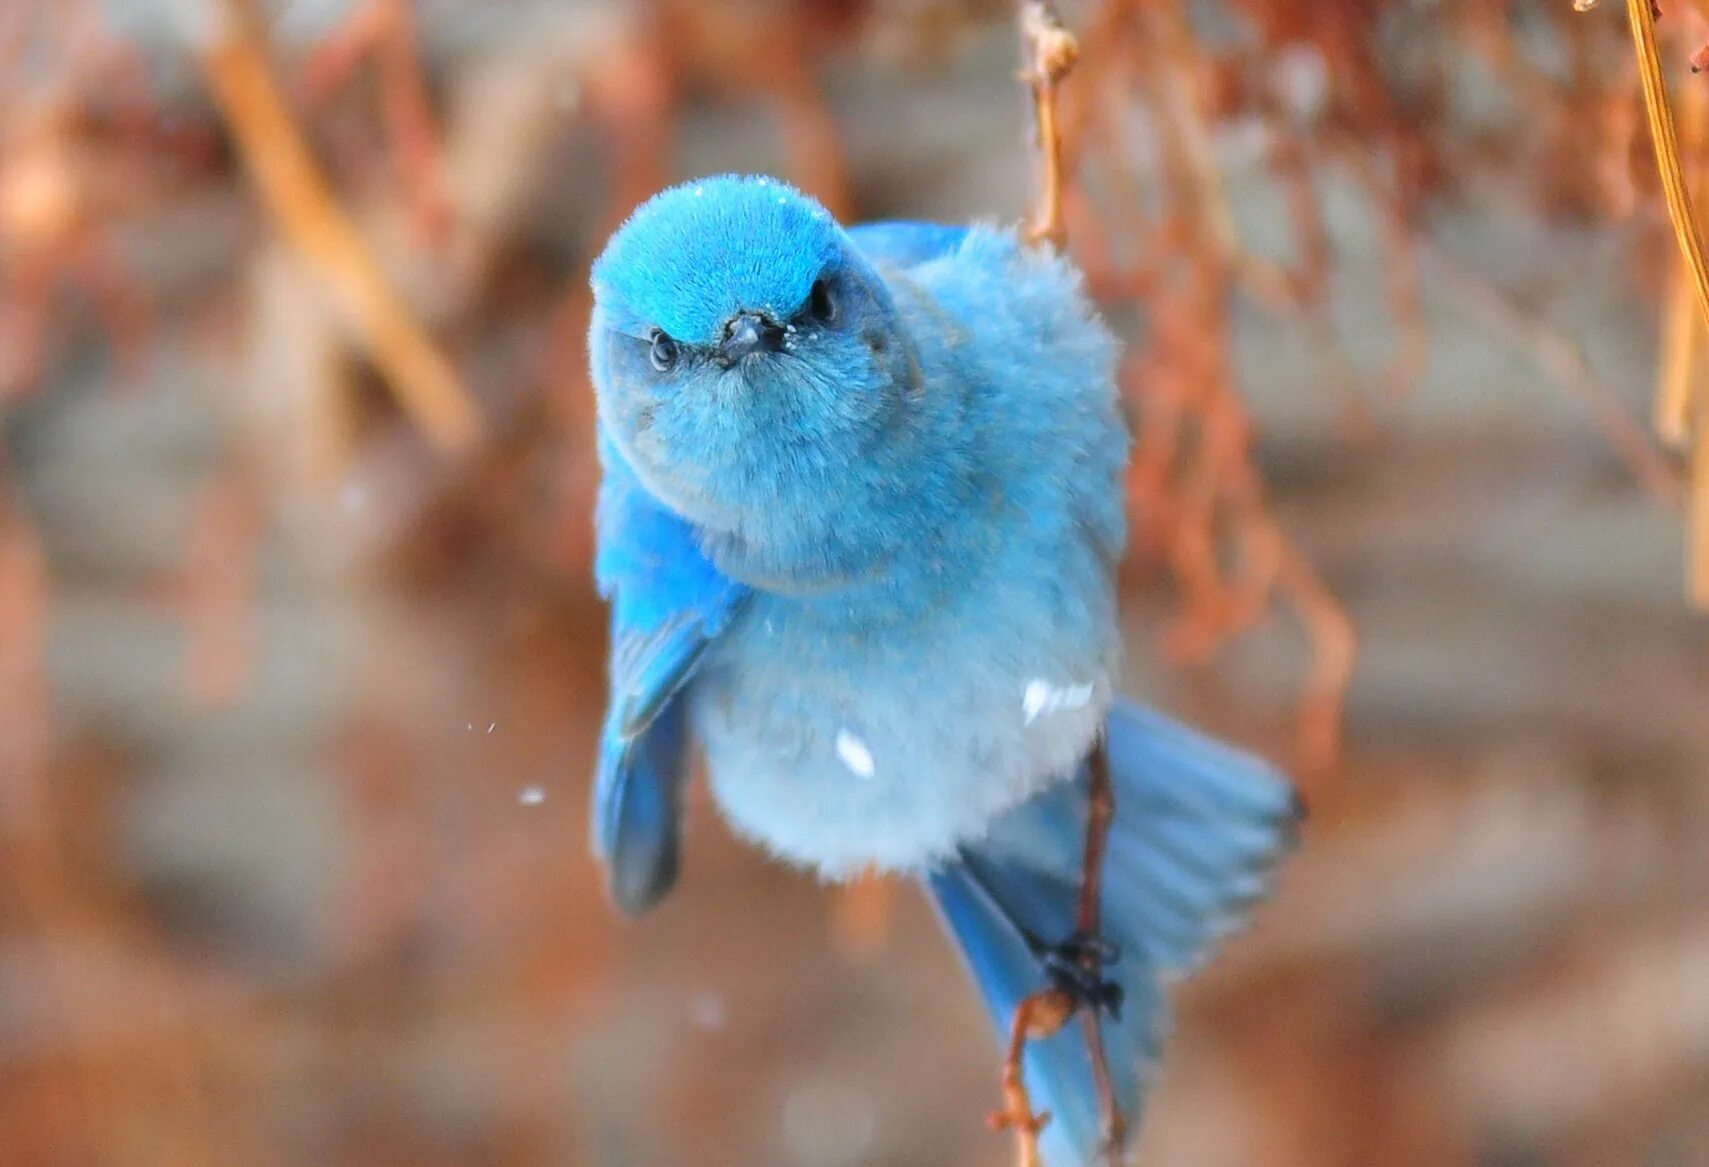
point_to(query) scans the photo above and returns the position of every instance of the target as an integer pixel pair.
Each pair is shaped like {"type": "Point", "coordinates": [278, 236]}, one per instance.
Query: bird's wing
{"type": "Point", "coordinates": [667, 604]}
{"type": "Point", "coordinates": [906, 244]}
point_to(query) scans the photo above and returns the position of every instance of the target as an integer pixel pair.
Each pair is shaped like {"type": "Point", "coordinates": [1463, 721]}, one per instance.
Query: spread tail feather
{"type": "Point", "coordinates": [1198, 830]}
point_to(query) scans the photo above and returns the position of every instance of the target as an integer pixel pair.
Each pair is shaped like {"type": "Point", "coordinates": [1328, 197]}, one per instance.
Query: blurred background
{"type": "Point", "coordinates": [301, 666]}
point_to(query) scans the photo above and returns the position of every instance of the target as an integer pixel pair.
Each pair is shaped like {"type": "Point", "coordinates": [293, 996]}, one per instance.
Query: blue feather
{"type": "Point", "coordinates": [637, 800]}
{"type": "Point", "coordinates": [668, 603]}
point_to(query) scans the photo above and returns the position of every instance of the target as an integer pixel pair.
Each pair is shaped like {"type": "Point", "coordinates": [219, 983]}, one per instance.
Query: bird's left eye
{"type": "Point", "coordinates": [664, 352]}
{"type": "Point", "coordinates": [822, 301]}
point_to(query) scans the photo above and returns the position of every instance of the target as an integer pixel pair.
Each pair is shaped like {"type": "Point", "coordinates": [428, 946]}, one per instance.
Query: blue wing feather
{"type": "Point", "coordinates": [637, 810]}
{"type": "Point", "coordinates": [668, 603]}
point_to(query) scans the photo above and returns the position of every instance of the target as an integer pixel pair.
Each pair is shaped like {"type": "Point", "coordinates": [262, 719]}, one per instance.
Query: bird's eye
{"type": "Point", "coordinates": [822, 302]}
{"type": "Point", "coordinates": [664, 352]}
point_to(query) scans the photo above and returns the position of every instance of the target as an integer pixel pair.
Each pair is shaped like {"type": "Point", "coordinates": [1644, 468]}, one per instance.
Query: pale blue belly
{"type": "Point", "coordinates": [844, 740]}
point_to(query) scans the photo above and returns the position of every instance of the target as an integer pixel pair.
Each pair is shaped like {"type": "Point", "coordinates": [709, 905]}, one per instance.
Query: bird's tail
{"type": "Point", "coordinates": [1198, 829]}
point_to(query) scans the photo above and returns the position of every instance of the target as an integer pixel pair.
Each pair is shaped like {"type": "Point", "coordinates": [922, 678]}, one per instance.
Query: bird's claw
{"type": "Point", "coordinates": [1076, 967]}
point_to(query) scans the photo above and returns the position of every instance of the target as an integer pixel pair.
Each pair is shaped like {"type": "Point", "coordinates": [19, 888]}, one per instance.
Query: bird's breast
{"type": "Point", "coordinates": [882, 732]}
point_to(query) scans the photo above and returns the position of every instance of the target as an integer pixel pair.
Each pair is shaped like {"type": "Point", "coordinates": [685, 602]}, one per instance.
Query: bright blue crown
{"type": "Point", "coordinates": [692, 256]}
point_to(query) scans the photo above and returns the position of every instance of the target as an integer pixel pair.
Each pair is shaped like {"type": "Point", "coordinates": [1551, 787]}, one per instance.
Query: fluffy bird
{"type": "Point", "coordinates": [859, 527]}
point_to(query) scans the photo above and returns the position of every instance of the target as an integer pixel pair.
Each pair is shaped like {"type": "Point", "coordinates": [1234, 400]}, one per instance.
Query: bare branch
{"type": "Point", "coordinates": [1051, 52]}
{"type": "Point", "coordinates": [243, 85]}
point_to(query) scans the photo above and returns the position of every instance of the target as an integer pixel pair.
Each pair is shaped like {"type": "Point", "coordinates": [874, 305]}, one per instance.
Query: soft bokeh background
{"type": "Point", "coordinates": [297, 706]}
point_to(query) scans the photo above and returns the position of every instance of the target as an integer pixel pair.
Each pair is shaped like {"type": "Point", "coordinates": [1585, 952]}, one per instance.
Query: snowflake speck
{"type": "Point", "coordinates": [708, 1011]}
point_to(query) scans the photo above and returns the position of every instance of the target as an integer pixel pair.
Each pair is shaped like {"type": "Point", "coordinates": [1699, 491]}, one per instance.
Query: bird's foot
{"type": "Point", "coordinates": [1076, 968]}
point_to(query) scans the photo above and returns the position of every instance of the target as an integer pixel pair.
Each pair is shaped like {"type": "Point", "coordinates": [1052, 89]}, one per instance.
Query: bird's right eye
{"type": "Point", "coordinates": [664, 352]}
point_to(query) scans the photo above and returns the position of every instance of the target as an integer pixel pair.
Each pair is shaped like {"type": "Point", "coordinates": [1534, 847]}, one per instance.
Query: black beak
{"type": "Point", "coordinates": [749, 333]}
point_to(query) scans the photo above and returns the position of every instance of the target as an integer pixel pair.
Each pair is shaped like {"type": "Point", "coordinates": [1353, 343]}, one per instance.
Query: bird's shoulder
{"type": "Point", "coordinates": [905, 243]}
{"type": "Point", "coordinates": [1010, 327]}
{"type": "Point", "coordinates": [1014, 321]}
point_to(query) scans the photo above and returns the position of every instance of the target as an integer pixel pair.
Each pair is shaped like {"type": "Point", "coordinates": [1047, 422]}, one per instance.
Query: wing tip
{"type": "Point", "coordinates": [635, 893]}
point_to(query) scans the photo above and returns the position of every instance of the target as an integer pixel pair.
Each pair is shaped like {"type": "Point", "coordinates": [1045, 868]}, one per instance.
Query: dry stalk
{"type": "Point", "coordinates": [1674, 412]}
{"type": "Point", "coordinates": [1100, 812]}
{"type": "Point", "coordinates": [1051, 52]}
{"type": "Point", "coordinates": [1038, 1016]}
{"type": "Point", "coordinates": [243, 85]}
{"type": "Point", "coordinates": [384, 32]}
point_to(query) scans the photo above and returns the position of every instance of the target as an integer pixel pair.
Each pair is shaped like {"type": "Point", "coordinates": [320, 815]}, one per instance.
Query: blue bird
{"type": "Point", "coordinates": [859, 527]}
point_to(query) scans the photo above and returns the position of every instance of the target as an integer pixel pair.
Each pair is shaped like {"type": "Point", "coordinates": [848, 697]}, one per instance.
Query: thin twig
{"type": "Point", "coordinates": [1698, 539]}
{"type": "Point", "coordinates": [1682, 326]}
{"type": "Point", "coordinates": [1337, 646]}
{"type": "Point", "coordinates": [1051, 52]}
{"type": "Point", "coordinates": [1666, 141]}
{"type": "Point", "coordinates": [1680, 341]}
{"type": "Point", "coordinates": [1187, 123]}
{"type": "Point", "coordinates": [1674, 412]}
{"type": "Point", "coordinates": [243, 85]}
{"type": "Point", "coordinates": [1100, 810]}
{"type": "Point", "coordinates": [384, 32]}
{"type": "Point", "coordinates": [1038, 1016]}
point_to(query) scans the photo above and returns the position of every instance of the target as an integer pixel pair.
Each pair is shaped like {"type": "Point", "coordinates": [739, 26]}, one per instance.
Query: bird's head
{"type": "Point", "coordinates": [744, 353]}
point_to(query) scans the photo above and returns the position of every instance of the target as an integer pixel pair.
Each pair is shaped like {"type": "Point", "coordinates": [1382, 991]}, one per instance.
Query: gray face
{"type": "Point", "coordinates": [765, 411]}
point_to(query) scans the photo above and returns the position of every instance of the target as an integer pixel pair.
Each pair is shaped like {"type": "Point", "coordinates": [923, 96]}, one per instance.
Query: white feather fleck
{"type": "Point", "coordinates": [1042, 697]}
{"type": "Point", "coordinates": [855, 754]}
